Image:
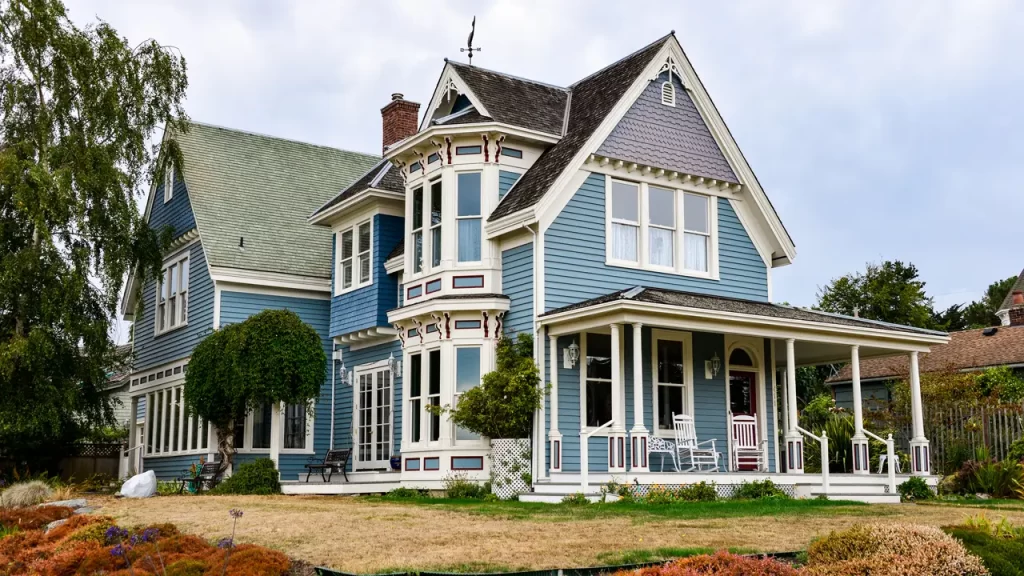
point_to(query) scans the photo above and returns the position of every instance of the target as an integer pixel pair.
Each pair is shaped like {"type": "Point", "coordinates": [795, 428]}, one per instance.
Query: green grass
{"type": "Point", "coordinates": [465, 567]}
{"type": "Point", "coordinates": [649, 555]}
{"type": "Point", "coordinates": [994, 503]}
{"type": "Point", "coordinates": [642, 512]}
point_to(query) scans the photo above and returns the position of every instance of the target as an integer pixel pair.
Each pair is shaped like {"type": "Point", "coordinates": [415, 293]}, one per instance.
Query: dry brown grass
{"type": "Point", "coordinates": [363, 535]}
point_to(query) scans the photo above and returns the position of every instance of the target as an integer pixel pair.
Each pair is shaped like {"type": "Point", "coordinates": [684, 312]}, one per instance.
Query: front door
{"type": "Point", "coordinates": [743, 400]}
{"type": "Point", "coordinates": [373, 419]}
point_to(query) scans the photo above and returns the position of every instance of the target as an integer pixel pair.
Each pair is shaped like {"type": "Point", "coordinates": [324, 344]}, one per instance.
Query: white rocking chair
{"type": "Point", "coordinates": [746, 449]}
{"type": "Point", "coordinates": [688, 449]}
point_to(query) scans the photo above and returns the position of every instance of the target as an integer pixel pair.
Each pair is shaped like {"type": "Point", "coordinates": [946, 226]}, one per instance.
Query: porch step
{"type": "Point", "coordinates": [865, 497]}
{"type": "Point", "coordinates": [842, 488]}
{"type": "Point", "coordinates": [557, 498]}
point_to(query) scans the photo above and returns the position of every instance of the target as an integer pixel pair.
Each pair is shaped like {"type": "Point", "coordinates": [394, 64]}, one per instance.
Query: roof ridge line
{"type": "Point", "coordinates": [513, 76]}
{"type": "Point", "coordinates": [626, 57]}
{"type": "Point", "coordinates": [281, 138]}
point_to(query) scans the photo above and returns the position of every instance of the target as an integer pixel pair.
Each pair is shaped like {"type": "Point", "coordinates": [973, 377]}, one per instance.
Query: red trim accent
{"type": "Point", "coordinates": [477, 327]}
{"type": "Point", "coordinates": [447, 325]}
{"type": "Point", "coordinates": [556, 455]}
{"type": "Point", "coordinates": [487, 148]}
{"type": "Point", "coordinates": [410, 289]}
{"type": "Point", "coordinates": [454, 278]}
{"type": "Point", "coordinates": [643, 452]}
{"type": "Point", "coordinates": [448, 141]}
{"type": "Point", "coordinates": [417, 460]}
{"type": "Point", "coordinates": [486, 327]}
{"type": "Point", "coordinates": [434, 459]}
{"type": "Point", "coordinates": [622, 452]}
{"type": "Point", "coordinates": [427, 286]}
{"type": "Point", "coordinates": [480, 458]}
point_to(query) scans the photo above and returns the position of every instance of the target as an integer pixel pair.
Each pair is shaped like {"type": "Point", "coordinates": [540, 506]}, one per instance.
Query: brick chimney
{"type": "Point", "coordinates": [401, 119]}
{"type": "Point", "coordinates": [1017, 309]}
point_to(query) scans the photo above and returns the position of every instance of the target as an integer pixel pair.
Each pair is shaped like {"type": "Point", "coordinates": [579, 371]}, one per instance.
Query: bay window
{"type": "Point", "coordinates": [434, 392]}
{"type": "Point", "coordinates": [435, 223]}
{"type": "Point", "coordinates": [417, 230]}
{"type": "Point", "coordinates": [172, 295]}
{"type": "Point", "coordinates": [355, 257]}
{"type": "Point", "coordinates": [415, 397]}
{"type": "Point", "coordinates": [172, 429]}
{"type": "Point", "coordinates": [468, 217]}
{"type": "Point", "coordinates": [467, 376]}
{"type": "Point", "coordinates": [625, 238]}
{"type": "Point", "coordinates": [598, 388]}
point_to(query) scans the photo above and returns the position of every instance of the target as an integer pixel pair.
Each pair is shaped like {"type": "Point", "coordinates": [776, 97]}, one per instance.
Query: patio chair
{"type": "Point", "coordinates": [662, 446]}
{"type": "Point", "coordinates": [746, 449]}
{"type": "Point", "coordinates": [689, 449]}
{"type": "Point", "coordinates": [334, 461]}
{"type": "Point", "coordinates": [209, 476]}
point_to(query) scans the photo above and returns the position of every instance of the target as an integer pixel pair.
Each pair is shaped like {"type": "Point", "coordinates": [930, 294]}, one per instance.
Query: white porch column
{"type": "Point", "coordinates": [276, 435]}
{"type": "Point", "coordinates": [919, 449]}
{"type": "Point", "coordinates": [617, 431]}
{"type": "Point", "coordinates": [131, 459]}
{"type": "Point", "coordinates": [794, 440]}
{"type": "Point", "coordinates": [638, 434]}
{"type": "Point", "coordinates": [861, 460]}
{"type": "Point", "coordinates": [540, 470]}
{"type": "Point", "coordinates": [554, 436]}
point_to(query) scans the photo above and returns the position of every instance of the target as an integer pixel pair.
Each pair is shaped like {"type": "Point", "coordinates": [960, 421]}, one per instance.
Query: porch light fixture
{"type": "Point", "coordinates": [393, 363]}
{"type": "Point", "coordinates": [714, 365]}
{"type": "Point", "coordinates": [344, 375]}
{"type": "Point", "coordinates": [572, 355]}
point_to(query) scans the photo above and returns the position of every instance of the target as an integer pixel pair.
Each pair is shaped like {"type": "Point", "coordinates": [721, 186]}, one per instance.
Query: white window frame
{"type": "Point", "coordinates": [359, 254]}
{"type": "Point", "coordinates": [371, 370]}
{"type": "Point", "coordinates": [310, 425]}
{"type": "Point", "coordinates": [584, 428]}
{"type": "Point", "coordinates": [416, 229]}
{"type": "Point", "coordinates": [686, 338]}
{"type": "Point", "coordinates": [611, 221]}
{"type": "Point", "coordinates": [679, 246]}
{"type": "Point", "coordinates": [456, 395]}
{"type": "Point", "coordinates": [169, 182]}
{"type": "Point", "coordinates": [181, 428]}
{"type": "Point", "coordinates": [162, 316]}
{"type": "Point", "coordinates": [428, 207]}
{"type": "Point", "coordinates": [479, 217]}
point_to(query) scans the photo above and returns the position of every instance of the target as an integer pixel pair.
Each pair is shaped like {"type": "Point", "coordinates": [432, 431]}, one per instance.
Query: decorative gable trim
{"type": "Point", "coordinates": [450, 82]}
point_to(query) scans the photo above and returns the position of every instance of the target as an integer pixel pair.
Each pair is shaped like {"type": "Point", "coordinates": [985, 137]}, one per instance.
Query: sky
{"type": "Point", "coordinates": [879, 129]}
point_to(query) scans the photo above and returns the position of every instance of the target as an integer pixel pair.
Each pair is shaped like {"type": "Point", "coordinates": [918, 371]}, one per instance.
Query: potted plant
{"type": "Point", "coordinates": [396, 462]}
{"type": "Point", "coordinates": [501, 408]}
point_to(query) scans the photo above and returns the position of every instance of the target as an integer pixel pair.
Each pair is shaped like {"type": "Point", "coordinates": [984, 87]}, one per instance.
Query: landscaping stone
{"type": "Point", "coordinates": [54, 524]}
{"type": "Point", "coordinates": [74, 503]}
{"type": "Point", "coordinates": [85, 510]}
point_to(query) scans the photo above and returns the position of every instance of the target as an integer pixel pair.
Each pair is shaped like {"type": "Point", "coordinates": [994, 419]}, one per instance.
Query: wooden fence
{"type": "Point", "coordinates": [958, 429]}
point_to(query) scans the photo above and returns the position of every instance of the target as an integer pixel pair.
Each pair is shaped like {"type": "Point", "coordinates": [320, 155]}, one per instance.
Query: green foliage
{"type": "Point", "coordinates": [999, 479]}
{"type": "Point", "coordinates": [759, 490]}
{"type": "Point", "coordinates": [577, 499]}
{"type": "Point", "coordinates": [271, 357]}
{"type": "Point", "coordinates": [502, 406]}
{"type": "Point", "coordinates": [1016, 450]}
{"type": "Point", "coordinates": [458, 485]}
{"type": "Point", "coordinates": [915, 489]}
{"type": "Point", "coordinates": [1002, 556]}
{"type": "Point", "coordinates": [982, 313]}
{"type": "Point", "coordinates": [167, 488]}
{"type": "Point", "coordinates": [1001, 382]}
{"type": "Point", "coordinates": [79, 108]}
{"type": "Point", "coordinates": [6, 531]}
{"type": "Point", "coordinates": [401, 493]}
{"type": "Point", "coordinates": [890, 292]}
{"type": "Point", "coordinates": [256, 477]}
{"type": "Point", "coordinates": [699, 492]}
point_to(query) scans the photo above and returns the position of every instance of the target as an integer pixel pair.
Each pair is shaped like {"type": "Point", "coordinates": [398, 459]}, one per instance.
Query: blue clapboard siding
{"type": "Point", "coordinates": [505, 181]}
{"type": "Point", "coordinates": [177, 213]}
{"type": "Point", "coordinates": [874, 395]}
{"type": "Point", "coordinates": [153, 350]}
{"type": "Point", "coordinates": [169, 467]}
{"type": "Point", "coordinates": [568, 406]}
{"type": "Point", "coordinates": [574, 256]}
{"type": "Point", "coordinates": [237, 306]}
{"type": "Point", "coordinates": [346, 400]}
{"type": "Point", "coordinates": [709, 408]}
{"type": "Point", "coordinates": [367, 307]}
{"type": "Point", "coordinates": [517, 284]}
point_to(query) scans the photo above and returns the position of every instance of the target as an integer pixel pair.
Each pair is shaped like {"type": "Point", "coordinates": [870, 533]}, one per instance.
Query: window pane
{"type": "Point", "coordinates": [166, 433]}
{"type": "Point", "coordinates": [695, 213]}
{"type": "Point", "coordinates": [176, 415]}
{"type": "Point", "coordinates": [661, 207]}
{"type": "Point", "coordinates": [174, 279]}
{"type": "Point", "coordinates": [261, 426]}
{"type": "Point", "coordinates": [415, 374]}
{"type": "Point", "coordinates": [624, 242]}
{"type": "Point", "coordinates": [417, 254]}
{"type": "Point", "coordinates": [364, 268]}
{"type": "Point", "coordinates": [346, 274]}
{"type": "Point", "coordinates": [184, 275]}
{"type": "Point", "coordinates": [467, 368]}
{"type": "Point", "coordinates": [625, 201]}
{"type": "Point", "coordinates": [435, 246]}
{"type": "Point", "coordinates": [599, 356]}
{"type": "Point", "coordinates": [670, 401]}
{"type": "Point", "coordinates": [364, 237]}
{"type": "Point", "coordinates": [739, 357]}
{"type": "Point", "coordinates": [599, 402]}
{"type": "Point", "coordinates": [194, 431]}
{"type": "Point", "coordinates": [435, 421]}
{"type": "Point", "coordinates": [434, 386]}
{"type": "Point", "coordinates": [435, 203]}
{"type": "Point", "coordinates": [166, 284]}
{"type": "Point", "coordinates": [417, 208]}
{"type": "Point", "coordinates": [696, 252]}
{"type": "Point", "coordinates": [415, 409]}
{"type": "Point", "coordinates": [469, 240]}
{"type": "Point", "coordinates": [740, 399]}
{"type": "Point", "coordinates": [346, 245]}
{"type": "Point", "coordinates": [469, 194]}
{"type": "Point", "coordinates": [295, 426]}
{"type": "Point", "coordinates": [670, 362]}
{"type": "Point", "coordinates": [661, 241]}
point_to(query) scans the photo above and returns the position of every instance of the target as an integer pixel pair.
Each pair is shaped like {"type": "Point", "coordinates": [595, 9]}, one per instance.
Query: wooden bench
{"type": "Point", "coordinates": [334, 461]}
{"type": "Point", "coordinates": [209, 475]}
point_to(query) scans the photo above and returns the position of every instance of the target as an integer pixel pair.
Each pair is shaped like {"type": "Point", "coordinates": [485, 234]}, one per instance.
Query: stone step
{"type": "Point", "coordinates": [867, 498]}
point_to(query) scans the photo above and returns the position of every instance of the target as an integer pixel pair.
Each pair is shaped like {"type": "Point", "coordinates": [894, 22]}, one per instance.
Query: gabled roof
{"type": "Point", "coordinates": [382, 176]}
{"type": "Point", "coordinates": [591, 100]}
{"type": "Point", "coordinates": [516, 101]}
{"type": "Point", "coordinates": [262, 189]}
{"type": "Point", "coordinates": [966, 350]}
{"type": "Point", "coordinates": [1008, 301]}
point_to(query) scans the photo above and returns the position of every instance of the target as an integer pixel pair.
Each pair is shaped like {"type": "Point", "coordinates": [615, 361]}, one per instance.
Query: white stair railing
{"type": "Point", "coordinates": [585, 454]}
{"type": "Point", "coordinates": [890, 458]}
{"type": "Point", "coordinates": [823, 440]}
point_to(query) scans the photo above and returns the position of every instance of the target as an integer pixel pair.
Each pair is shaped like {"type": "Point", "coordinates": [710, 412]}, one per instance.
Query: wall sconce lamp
{"type": "Point", "coordinates": [570, 355]}
{"type": "Point", "coordinates": [712, 367]}
{"type": "Point", "coordinates": [344, 378]}
{"type": "Point", "coordinates": [393, 364]}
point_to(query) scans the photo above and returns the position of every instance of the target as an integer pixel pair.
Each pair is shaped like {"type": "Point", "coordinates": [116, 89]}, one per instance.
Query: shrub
{"type": "Point", "coordinates": [891, 549]}
{"type": "Point", "coordinates": [699, 492]}
{"type": "Point", "coordinates": [25, 494]}
{"type": "Point", "coordinates": [256, 477]}
{"type": "Point", "coordinates": [1016, 450]}
{"type": "Point", "coordinates": [1002, 556]}
{"type": "Point", "coordinates": [458, 485]}
{"type": "Point", "coordinates": [999, 479]}
{"type": "Point", "coordinates": [405, 494]}
{"type": "Point", "coordinates": [915, 488]}
{"type": "Point", "coordinates": [719, 564]}
{"type": "Point", "coordinates": [759, 490]}
{"type": "Point", "coordinates": [577, 499]}
{"type": "Point", "coordinates": [33, 518]}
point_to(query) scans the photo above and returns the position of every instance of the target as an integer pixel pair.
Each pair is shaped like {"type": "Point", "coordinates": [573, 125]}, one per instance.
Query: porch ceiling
{"type": "Point", "coordinates": [811, 353]}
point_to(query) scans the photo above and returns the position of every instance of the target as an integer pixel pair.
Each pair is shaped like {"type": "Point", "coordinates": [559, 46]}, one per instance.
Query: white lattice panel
{"type": "Point", "coordinates": [511, 474]}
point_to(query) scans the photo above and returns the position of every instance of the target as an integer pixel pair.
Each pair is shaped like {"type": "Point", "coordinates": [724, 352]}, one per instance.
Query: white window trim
{"type": "Point", "coordinates": [456, 394]}
{"type": "Point", "coordinates": [310, 426]}
{"type": "Point", "coordinates": [169, 178]}
{"type": "Point", "coordinates": [679, 246]}
{"type": "Point", "coordinates": [418, 228]}
{"type": "Point", "coordinates": [424, 397]}
{"type": "Point", "coordinates": [480, 217]}
{"type": "Point", "coordinates": [369, 369]}
{"type": "Point", "coordinates": [584, 429]}
{"type": "Point", "coordinates": [182, 298]}
{"type": "Point", "coordinates": [687, 340]}
{"type": "Point", "coordinates": [428, 238]}
{"type": "Point", "coordinates": [182, 428]}
{"type": "Point", "coordinates": [356, 258]}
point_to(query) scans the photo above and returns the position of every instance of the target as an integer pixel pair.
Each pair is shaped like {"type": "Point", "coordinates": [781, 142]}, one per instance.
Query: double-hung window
{"type": "Point", "coordinates": [415, 397]}
{"type": "Point", "coordinates": [661, 226]}
{"type": "Point", "coordinates": [598, 366]}
{"type": "Point", "coordinates": [696, 232]}
{"type": "Point", "coordinates": [168, 182]}
{"type": "Point", "coordinates": [669, 381]}
{"type": "Point", "coordinates": [434, 392]}
{"type": "Point", "coordinates": [172, 295]}
{"type": "Point", "coordinates": [417, 230]}
{"type": "Point", "coordinates": [355, 256]}
{"type": "Point", "coordinates": [625, 227]}
{"type": "Point", "coordinates": [468, 217]}
{"type": "Point", "coordinates": [467, 376]}
{"type": "Point", "coordinates": [435, 223]}
{"type": "Point", "coordinates": [295, 426]}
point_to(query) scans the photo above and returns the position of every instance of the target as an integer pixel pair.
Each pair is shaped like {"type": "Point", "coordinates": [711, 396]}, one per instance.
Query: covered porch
{"type": "Point", "coordinates": [716, 385]}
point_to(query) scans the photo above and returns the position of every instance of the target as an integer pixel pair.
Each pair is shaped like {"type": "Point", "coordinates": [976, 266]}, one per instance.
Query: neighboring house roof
{"type": "Point", "coordinates": [516, 101]}
{"type": "Point", "coordinates": [399, 250]}
{"type": "Point", "coordinates": [262, 189]}
{"type": "Point", "coordinates": [382, 176]}
{"type": "Point", "coordinates": [736, 305]}
{"type": "Point", "coordinates": [966, 350]}
{"type": "Point", "coordinates": [1008, 301]}
{"type": "Point", "coordinates": [591, 100]}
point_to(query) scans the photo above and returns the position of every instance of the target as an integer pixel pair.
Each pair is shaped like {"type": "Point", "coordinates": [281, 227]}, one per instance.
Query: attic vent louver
{"type": "Point", "coordinates": [668, 94]}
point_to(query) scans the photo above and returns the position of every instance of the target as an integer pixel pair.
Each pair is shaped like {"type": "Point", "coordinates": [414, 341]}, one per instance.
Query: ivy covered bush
{"type": "Point", "coordinates": [915, 489]}
{"type": "Point", "coordinates": [759, 490]}
{"type": "Point", "coordinates": [891, 550]}
{"type": "Point", "coordinates": [257, 477]}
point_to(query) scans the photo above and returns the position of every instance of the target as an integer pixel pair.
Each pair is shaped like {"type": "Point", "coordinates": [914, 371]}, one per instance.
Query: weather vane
{"type": "Point", "coordinates": [469, 42]}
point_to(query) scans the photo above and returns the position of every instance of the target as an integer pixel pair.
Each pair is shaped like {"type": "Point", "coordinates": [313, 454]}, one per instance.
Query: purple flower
{"type": "Point", "coordinates": [226, 543]}
{"type": "Point", "coordinates": [120, 550]}
{"type": "Point", "coordinates": [235, 513]}
{"type": "Point", "coordinates": [150, 534]}
{"type": "Point", "coordinates": [115, 533]}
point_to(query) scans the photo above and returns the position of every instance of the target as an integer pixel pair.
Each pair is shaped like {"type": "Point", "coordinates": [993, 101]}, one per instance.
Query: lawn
{"type": "Point", "coordinates": [363, 534]}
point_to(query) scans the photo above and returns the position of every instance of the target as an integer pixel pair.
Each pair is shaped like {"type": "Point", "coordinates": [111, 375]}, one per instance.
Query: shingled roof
{"type": "Point", "coordinates": [966, 350]}
{"type": "Point", "coordinates": [383, 176]}
{"type": "Point", "coordinates": [262, 189]}
{"type": "Point", "coordinates": [1018, 285]}
{"type": "Point", "coordinates": [516, 101]}
{"type": "Point", "coordinates": [591, 100]}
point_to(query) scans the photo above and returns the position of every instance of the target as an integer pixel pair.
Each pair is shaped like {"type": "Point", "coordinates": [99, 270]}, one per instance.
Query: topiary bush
{"type": "Point", "coordinates": [25, 494]}
{"type": "Point", "coordinates": [719, 564]}
{"type": "Point", "coordinates": [759, 490]}
{"type": "Point", "coordinates": [1002, 556]}
{"type": "Point", "coordinates": [891, 550]}
{"type": "Point", "coordinates": [256, 477]}
{"type": "Point", "coordinates": [914, 489]}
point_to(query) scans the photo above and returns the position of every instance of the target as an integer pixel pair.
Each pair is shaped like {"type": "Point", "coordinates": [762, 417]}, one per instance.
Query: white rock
{"type": "Point", "coordinates": [75, 503]}
{"type": "Point", "coordinates": [140, 486]}
{"type": "Point", "coordinates": [54, 524]}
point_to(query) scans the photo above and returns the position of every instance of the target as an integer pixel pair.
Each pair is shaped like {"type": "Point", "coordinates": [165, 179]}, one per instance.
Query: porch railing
{"type": "Point", "coordinates": [585, 454]}
{"type": "Point", "coordinates": [890, 457]}
{"type": "Point", "coordinates": [823, 440]}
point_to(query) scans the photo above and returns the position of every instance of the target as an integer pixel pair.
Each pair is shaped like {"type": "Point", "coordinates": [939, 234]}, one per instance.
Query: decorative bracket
{"type": "Point", "coordinates": [447, 325]}
{"type": "Point", "coordinates": [497, 148]}
{"type": "Point", "coordinates": [437, 324]}
{"type": "Point", "coordinates": [419, 329]}
{"type": "Point", "coordinates": [401, 333]}
{"type": "Point", "coordinates": [486, 324]}
{"type": "Point", "coordinates": [497, 328]}
{"type": "Point", "coordinates": [487, 148]}
{"type": "Point", "coordinates": [448, 143]}
{"type": "Point", "coordinates": [672, 68]}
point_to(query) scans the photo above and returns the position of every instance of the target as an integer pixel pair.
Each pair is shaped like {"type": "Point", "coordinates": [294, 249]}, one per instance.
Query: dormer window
{"type": "Point", "coordinates": [355, 257]}
{"type": "Point", "coordinates": [668, 94]}
{"type": "Point", "coordinates": [168, 182]}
